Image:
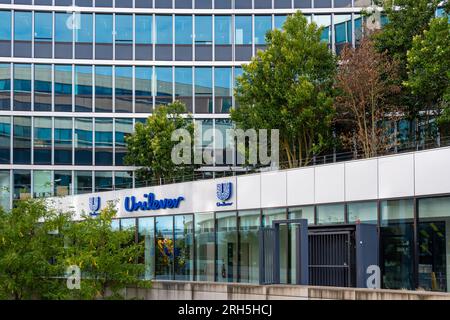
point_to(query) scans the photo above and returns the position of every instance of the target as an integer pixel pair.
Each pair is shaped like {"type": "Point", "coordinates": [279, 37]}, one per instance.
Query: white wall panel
{"type": "Point", "coordinates": [300, 186]}
{"type": "Point", "coordinates": [396, 176]}
{"type": "Point", "coordinates": [432, 169]}
{"type": "Point", "coordinates": [361, 180]}
{"type": "Point", "coordinates": [273, 189]}
{"type": "Point", "coordinates": [329, 183]}
{"type": "Point", "coordinates": [248, 192]}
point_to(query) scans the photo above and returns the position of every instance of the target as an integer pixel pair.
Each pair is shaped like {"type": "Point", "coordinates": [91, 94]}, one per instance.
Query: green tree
{"type": "Point", "coordinates": [150, 146]}
{"type": "Point", "coordinates": [28, 247]}
{"type": "Point", "coordinates": [288, 87]}
{"type": "Point", "coordinates": [429, 67]}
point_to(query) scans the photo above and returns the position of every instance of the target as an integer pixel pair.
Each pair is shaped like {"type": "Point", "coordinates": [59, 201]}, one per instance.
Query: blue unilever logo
{"type": "Point", "coordinates": [94, 205]}
{"type": "Point", "coordinates": [224, 193]}
{"type": "Point", "coordinates": [151, 203]}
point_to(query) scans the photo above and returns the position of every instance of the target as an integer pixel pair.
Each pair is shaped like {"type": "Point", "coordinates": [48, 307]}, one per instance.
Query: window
{"type": "Point", "coordinates": [5, 189]}
{"type": "Point", "coordinates": [123, 89]}
{"type": "Point", "coordinates": [84, 32]}
{"type": "Point", "coordinates": [42, 140]}
{"type": "Point", "coordinates": [103, 142]}
{"type": "Point", "coordinates": [227, 247]}
{"type": "Point", "coordinates": [22, 184]}
{"type": "Point", "coordinates": [22, 25]}
{"type": "Point", "coordinates": [123, 180]}
{"type": "Point", "coordinates": [263, 24]}
{"type": "Point", "coordinates": [143, 89]}
{"type": "Point", "coordinates": [222, 29]}
{"type": "Point", "coordinates": [103, 89]}
{"type": "Point", "coordinates": [83, 88]}
{"type": "Point", "coordinates": [103, 181]}
{"type": "Point", "coordinates": [83, 182]}
{"type": "Point", "coordinates": [342, 31]}
{"type": "Point", "coordinates": [249, 223]}
{"type": "Point", "coordinates": [63, 140]}
{"type": "Point", "coordinates": [42, 87]}
{"type": "Point", "coordinates": [302, 213]}
{"type": "Point", "coordinates": [322, 3]}
{"type": "Point", "coordinates": [223, 91]}
{"type": "Point", "coordinates": [83, 141]}
{"type": "Point", "coordinates": [62, 183]}
{"type": "Point", "coordinates": [203, 90]}
{"type": "Point", "coordinates": [183, 86]}
{"type": "Point", "coordinates": [143, 29]}
{"type": "Point", "coordinates": [184, 247]}
{"type": "Point", "coordinates": [183, 29]}
{"type": "Point", "coordinates": [5, 139]}
{"type": "Point", "coordinates": [397, 239]}
{"type": "Point", "coordinates": [124, 28]}
{"type": "Point", "coordinates": [5, 86]}
{"type": "Point", "coordinates": [5, 26]}
{"type": "Point", "coordinates": [279, 21]}
{"type": "Point", "coordinates": [330, 214]}
{"type": "Point", "coordinates": [163, 78]}
{"type": "Point", "coordinates": [163, 29]}
{"type": "Point", "coordinates": [203, 30]}
{"type": "Point", "coordinates": [366, 212]}
{"type": "Point", "coordinates": [223, 142]}
{"type": "Point", "coordinates": [103, 28]}
{"type": "Point", "coordinates": [63, 32]}
{"type": "Point", "coordinates": [124, 127]}
{"type": "Point", "coordinates": [22, 140]}
{"type": "Point", "coordinates": [146, 235]}
{"type": "Point", "coordinates": [243, 30]}
{"type": "Point", "coordinates": [164, 247]}
{"type": "Point", "coordinates": [63, 88]}
{"type": "Point", "coordinates": [324, 21]}
{"type": "Point", "coordinates": [42, 183]}
{"type": "Point", "coordinates": [43, 27]}
{"type": "Point", "coordinates": [204, 245]}
{"type": "Point", "coordinates": [22, 87]}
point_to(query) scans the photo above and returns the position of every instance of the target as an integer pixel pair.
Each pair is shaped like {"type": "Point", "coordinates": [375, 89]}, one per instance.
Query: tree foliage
{"type": "Point", "coordinates": [150, 146]}
{"type": "Point", "coordinates": [38, 244]}
{"type": "Point", "coordinates": [288, 87]}
{"type": "Point", "coordinates": [364, 81]}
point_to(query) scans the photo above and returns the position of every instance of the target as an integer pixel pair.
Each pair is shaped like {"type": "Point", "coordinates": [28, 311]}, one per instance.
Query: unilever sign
{"type": "Point", "coordinates": [151, 203]}
{"type": "Point", "coordinates": [223, 193]}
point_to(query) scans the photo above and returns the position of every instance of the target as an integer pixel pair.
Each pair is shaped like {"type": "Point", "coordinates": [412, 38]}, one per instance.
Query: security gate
{"type": "Point", "coordinates": [332, 258]}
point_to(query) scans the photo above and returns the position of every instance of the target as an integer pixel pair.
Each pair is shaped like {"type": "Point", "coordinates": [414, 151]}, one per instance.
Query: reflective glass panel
{"type": "Point", "coordinates": [83, 88]}
{"type": "Point", "coordinates": [123, 180]}
{"type": "Point", "coordinates": [123, 89]}
{"type": "Point", "coordinates": [143, 89]}
{"type": "Point", "coordinates": [5, 139]}
{"type": "Point", "coordinates": [63, 32]}
{"type": "Point", "coordinates": [222, 29]}
{"type": "Point", "coordinates": [22, 140]}
{"type": "Point", "coordinates": [203, 29]}
{"type": "Point", "coordinates": [227, 247]}
{"type": "Point", "coordinates": [262, 25]}
{"type": "Point", "coordinates": [22, 25]}
{"type": "Point", "coordinates": [103, 89]}
{"type": "Point", "coordinates": [62, 183]}
{"type": "Point", "coordinates": [203, 90]}
{"type": "Point", "coordinates": [5, 189]}
{"type": "Point", "coordinates": [22, 87]}
{"type": "Point", "coordinates": [164, 247]}
{"type": "Point", "coordinates": [163, 29]}
{"type": "Point", "coordinates": [249, 223]}
{"type": "Point", "coordinates": [330, 214]}
{"type": "Point", "coordinates": [183, 29]}
{"type": "Point", "coordinates": [223, 81]}
{"type": "Point", "coordinates": [103, 142]}
{"type": "Point", "coordinates": [163, 78]}
{"type": "Point", "coordinates": [5, 86]}
{"type": "Point", "coordinates": [83, 182]}
{"type": "Point", "coordinates": [124, 127]}
{"type": "Point", "coordinates": [146, 235]}
{"type": "Point", "coordinates": [279, 21]}
{"type": "Point", "coordinates": [103, 28]}
{"type": "Point", "coordinates": [63, 140]}
{"type": "Point", "coordinates": [42, 140]}
{"type": "Point", "coordinates": [63, 88]}
{"type": "Point", "coordinates": [366, 212]}
{"type": "Point", "coordinates": [243, 30]}
{"type": "Point", "coordinates": [22, 184]}
{"type": "Point", "coordinates": [204, 245]}
{"type": "Point", "coordinates": [183, 85]}
{"type": "Point", "coordinates": [42, 183]}
{"type": "Point", "coordinates": [5, 25]}
{"type": "Point", "coordinates": [83, 141]}
{"type": "Point", "coordinates": [84, 31]}
{"type": "Point", "coordinates": [124, 28]}
{"type": "Point", "coordinates": [103, 181]}
{"type": "Point", "coordinates": [43, 27]}
{"type": "Point", "coordinates": [302, 213]}
{"type": "Point", "coordinates": [143, 29]}
{"type": "Point", "coordinates": [184, 247]}
{"type": "Point", "coordinates": [42, 87]}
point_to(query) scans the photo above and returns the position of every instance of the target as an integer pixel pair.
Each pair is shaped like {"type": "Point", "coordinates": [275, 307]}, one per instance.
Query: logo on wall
{"type": "Point", "coordinates": [94, 205]}
{"type": "Point", "coordinates": [224, 192]}
{"type": "Point", "coordinates": [151, 203]}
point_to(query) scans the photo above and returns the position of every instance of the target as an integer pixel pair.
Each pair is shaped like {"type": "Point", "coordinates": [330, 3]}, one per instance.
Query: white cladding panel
{"type": "Point", "coordinates": [361, 180]}
{"type": "Point", "coordinates": [300, 186]}
{"type": "Point", "coordinates": [204, 195]}
{"type": "Point", "coordinates": [330, 186]}
{"type": "Point", "coordinates": [273, 189]}
{"type": "Point", "coordinates": [432, 169]}
{"type": "Point", "coordinates": [396, 176]}
{"type": "Point", "coordinates": [248, 192]}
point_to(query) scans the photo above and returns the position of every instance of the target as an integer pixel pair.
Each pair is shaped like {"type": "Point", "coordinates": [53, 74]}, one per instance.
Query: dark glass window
{"type": "Point", "coordinates": [249, 223]}
{"type": "Point", "coordinates": [42, 140]}
{"type": "Point", "coordinates": [183, 86]}
{"type": "Point", "coordinates": [5, 86]}
{"type": "Point", "coordinates": [223, 81]}
{"type": "Point", "coordinates": [302, 3]}
{"type": "Point", "coordinates": [243, 4]}
{"type": "Point", "coordinates": [203, 90]}
{"type": "Point", "coordinates": [123, 180]}
{"type": "Point", "coordinates": [83, 88]}
{"type": "Point", "coordinates": [123, 89]}
{"type": "Point", "coordinates": [22, 87]}
{"type": "Point", "coordinates": [222, 4]}
{"type": "Point", "coordinates": [342, 3]}
{"type": "Point", "coordinates": [227, 247]}
{"type": "Point", "coordinates": [342, 31]}
{"type": "Point", "coordinates": [62, 183]}
{"type": "Point", "coordinates": [325, 22]}
{"type": "Point", "coordinates": [22, 184]}
{"type": "Point", "coordinates": [163, 78]}
{"type": "Point", "coordinates": [22, 140]}
{"type": "Point", "coordinates": [103, 89]}
{"type": "Point", "coordinates": [42, 87]}
{"type": "Point", "coordinates": [164, 247]}
{"type": "Point", "coordinates": [83, 182]}
{"type": "Point", "coordinates": [103, 142]}
{"type": "Point", "coordinates": [124, 37]}
{"type": "Point", "coordinates": [5, 187]}
{"type": "Point", "coordinates": [164, 4]}
{"type": "Point", "coordinates": [63, 88]}
{"type": "Point", "coordinates": [143, 89]}
{"type": "Point", "coordinates": [184, 247]}
{"type": "Point", "coordinates": [124, 127]}
{"type": "Point", "coordinates": [5, 139]}
{"type": "Point", "coordinates": [83, 141]}
{"type": "Point", "coordinates": [64, 24]}
{"type": "Point", "coordinates": [322, 3]}
{"type": "Point", "coordinates": [63, 140]}
{"type": "Point", "coordinates": [143, 3]}
{"type": "Point", "coordinates": [103, 181]}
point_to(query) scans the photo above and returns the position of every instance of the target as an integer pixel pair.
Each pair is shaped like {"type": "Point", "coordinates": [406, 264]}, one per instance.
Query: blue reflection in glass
{"type": "Point", "coordinates": [84, 32]}
{"type": "Point", "coordinates": [203, 80]}
{"type": "Point", "coordinates": [124, 28]}
{"type": "Point", "coordinates": [62, 32]}
{"type": "Point", "coordinates": [203, 30]}
{"type": "Point", "coordinates": [124, 127]}
{"type": "Point", "coordinates": [243, 30]}
{"type": "Point", "coordinates": [163, 81]}
{"type": "Point", "coordinates": [5, 25]}
{"type": "Point", "coordinates": [103, 141]}
{"type": "Point", "coordinates": [103, 28]}
{"type": "Point", "coordinates": [22, 25]}
{"type": "Point", "coordinates": [279, 21]}
{"type": "Point", "coordinates": [163, 29]}
{"type": "Point", "coordinates": [222, 29]}
{"type": "Point", "coordinates": [43, 27]}
{"type": "Point", "coordinates": [5, 139]}
{"type": "Point", "coordinates": [183, 82]}
{"type": "Point", "coordinates": [183, 29]}
{"type": "Point", "coordinates": [262, 25]}
{"type": "Point", "coordinates": [63, 140]}
{"type": "Point", "coordinates": [143, 29]}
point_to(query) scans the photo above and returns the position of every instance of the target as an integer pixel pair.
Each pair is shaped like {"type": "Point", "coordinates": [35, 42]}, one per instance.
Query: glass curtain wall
{"type": "Point", "coordinates": [249, 223]}
{"type": "Point", "coordinates": [184, 247]}
{"type": "Point", "coordinates": [227, 247]}
{"type": "Point", "coordinates": [204, 246]}
{"type": "Point", "coordinates": [164, 248]}
{"type": "Point", "coordinates": [146, 235]}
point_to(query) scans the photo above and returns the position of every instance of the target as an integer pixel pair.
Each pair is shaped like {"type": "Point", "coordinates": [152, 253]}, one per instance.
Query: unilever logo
{"type": "Point", "coordinates": [94, 205]}
{"type": "Point", "coordinates": [224, 192]}
{"type": "Point", "coordinates": [151, 203]}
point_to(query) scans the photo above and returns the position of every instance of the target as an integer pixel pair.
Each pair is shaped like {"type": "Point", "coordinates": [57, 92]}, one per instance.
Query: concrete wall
{"type": "Point", "coordinates": [180, 290]}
